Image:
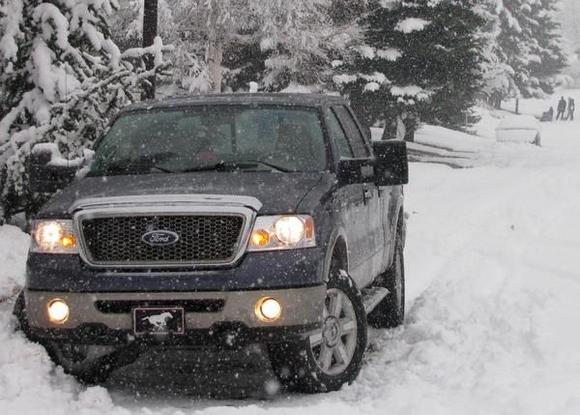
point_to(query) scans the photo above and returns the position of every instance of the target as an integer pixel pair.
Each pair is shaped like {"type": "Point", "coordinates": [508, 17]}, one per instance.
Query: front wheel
{"type": "Point", "coordinates": [90, 364]}
{"type": "Point", "coordinates": [77, 360]}
{"type": "Point", "coordinates": [332, 355]}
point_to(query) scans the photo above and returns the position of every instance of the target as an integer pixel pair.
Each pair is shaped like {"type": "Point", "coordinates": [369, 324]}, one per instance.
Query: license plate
{"type": "Point", "coordinates": [159, 320]}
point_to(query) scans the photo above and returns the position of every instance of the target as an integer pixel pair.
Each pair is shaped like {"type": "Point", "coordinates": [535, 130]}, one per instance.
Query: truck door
{"type": "Point", "coordinates": [371, 237]}
{"type": "Point", "coordinates": [383, 213]}
{"type": "Point", "coordinates": [349, 202]}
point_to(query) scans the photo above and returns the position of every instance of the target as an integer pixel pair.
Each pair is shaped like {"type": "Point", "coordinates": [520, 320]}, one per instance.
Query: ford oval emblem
{"type": "Point", "coordinates": [160, 238]}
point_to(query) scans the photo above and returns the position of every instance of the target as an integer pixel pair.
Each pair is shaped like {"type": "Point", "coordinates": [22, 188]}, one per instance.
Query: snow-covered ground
{"type": "Point", "coordinates": [493, 289]}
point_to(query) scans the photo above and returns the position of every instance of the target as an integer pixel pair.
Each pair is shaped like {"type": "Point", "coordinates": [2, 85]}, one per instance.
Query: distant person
{"type": "Point", "coordinates": [571, 109]}
{"type": "Point", "coordinates": [561, 109]}
{"type": "Point", "coordinates": [548, 116]}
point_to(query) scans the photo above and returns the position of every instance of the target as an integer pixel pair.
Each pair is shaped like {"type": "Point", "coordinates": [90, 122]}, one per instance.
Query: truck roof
{"type": "Point", "coordinates": [309, 100]}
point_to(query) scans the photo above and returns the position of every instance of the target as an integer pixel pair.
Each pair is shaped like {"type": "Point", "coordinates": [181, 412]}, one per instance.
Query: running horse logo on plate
{"type": "Point", "coordinates": [159, 321]}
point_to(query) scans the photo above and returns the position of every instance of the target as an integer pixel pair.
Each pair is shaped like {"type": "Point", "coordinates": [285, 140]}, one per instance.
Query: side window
{"type": "Point", "coordinates": [355, 137]}
{"type": "Point", "coordinates": [338, 135]}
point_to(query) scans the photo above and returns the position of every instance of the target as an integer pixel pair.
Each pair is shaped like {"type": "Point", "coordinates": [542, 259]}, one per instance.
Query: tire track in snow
{"type": "Point", "coordinates": [434, 340]}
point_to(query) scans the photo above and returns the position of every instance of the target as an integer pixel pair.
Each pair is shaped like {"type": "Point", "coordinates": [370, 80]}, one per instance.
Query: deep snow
{"type": "Point", "coordinates": [493, 289]}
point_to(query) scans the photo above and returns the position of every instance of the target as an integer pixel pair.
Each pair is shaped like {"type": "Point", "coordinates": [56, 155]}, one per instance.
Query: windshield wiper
{"type": "Point", "coordinates": [163, 169]}
{"type": "Point", "coordinates": [234, 165]}
{"type": "Point", "coordinates": [268, 164]}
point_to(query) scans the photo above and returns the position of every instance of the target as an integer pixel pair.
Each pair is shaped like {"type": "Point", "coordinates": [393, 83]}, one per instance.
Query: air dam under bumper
{"type": "Point", "coordinates": [105, 318]}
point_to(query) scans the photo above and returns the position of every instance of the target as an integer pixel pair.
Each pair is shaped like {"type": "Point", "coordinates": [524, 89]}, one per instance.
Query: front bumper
{"type": "Point", "coordinates": [107, 318]}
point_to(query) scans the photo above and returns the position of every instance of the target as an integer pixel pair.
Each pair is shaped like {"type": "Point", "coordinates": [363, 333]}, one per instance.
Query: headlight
{"type": "Point", "coordinates": [54, 237]}
{"type": "Point", "coordinates": [282, 232]}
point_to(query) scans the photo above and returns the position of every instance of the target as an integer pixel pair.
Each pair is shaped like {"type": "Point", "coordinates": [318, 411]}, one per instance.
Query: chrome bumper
{"type": "Point", "coordinates": [300, 307]}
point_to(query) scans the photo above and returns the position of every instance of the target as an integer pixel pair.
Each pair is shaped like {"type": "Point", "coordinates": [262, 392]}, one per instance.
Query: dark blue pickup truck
{"type": "Point", "coordinates": [223, 221]}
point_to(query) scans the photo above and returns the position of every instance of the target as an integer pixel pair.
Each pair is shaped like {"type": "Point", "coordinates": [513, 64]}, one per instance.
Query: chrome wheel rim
{"type": "Point", "coordinates": [334, 345]}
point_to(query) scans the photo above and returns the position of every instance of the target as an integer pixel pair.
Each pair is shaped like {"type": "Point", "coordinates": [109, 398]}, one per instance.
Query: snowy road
{"type": "Point", "coordinates": [493, 280]}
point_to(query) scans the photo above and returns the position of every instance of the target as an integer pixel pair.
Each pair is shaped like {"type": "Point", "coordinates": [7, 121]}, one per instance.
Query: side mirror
{"type": "Point", "coordinates": [352, 171]}
{"type": "Point", "coordinates": [46, 172]}
{"type": "Point", "coordinates": [392, 167]}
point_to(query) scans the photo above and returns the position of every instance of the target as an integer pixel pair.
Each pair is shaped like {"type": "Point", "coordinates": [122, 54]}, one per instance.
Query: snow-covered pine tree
{"type": "Point", "coordinates": [226, 44]}
{"type": "Point", "coordinates": [62, 79]}
{"type": "Point", "coordinates": [446, 58]}
{"type": "Point", "coordinates": [549, 46]}
{"type": "Point", "coordinates": [527, 48]}
{"type": "Point", "coordinates": [498, 75]}
{"type": "Point", "coordinates": [287, 47]}
{"type": "Point", "coordinates": [199, 30]}
{"type": "Point", "coordinates": [421, 58]}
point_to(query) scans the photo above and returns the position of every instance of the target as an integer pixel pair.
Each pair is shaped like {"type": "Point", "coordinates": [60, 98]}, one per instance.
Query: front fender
{"type": "Point", "coordinates": [338, 235]}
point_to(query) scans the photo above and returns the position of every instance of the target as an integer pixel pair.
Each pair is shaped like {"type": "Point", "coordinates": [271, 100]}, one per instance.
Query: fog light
{"type": "Point", "coordinates": [58, 311]}
{"type": "Point", "coordinates": [268, 309]}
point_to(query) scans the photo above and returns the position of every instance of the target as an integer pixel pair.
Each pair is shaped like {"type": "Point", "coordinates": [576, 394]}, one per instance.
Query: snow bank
{"type": "Point", "coordinates": [450, 139]}
{"type": "Point", "coordinates": [295, 88]}
{"type": "Point", "coordinates": [519, 122]}
{"type": "Point", "coordinates": [494, 276]}
{"type": "Point", "coordinates": [13, 249]}
{"type": "Point", "coordinates": [444, 138]}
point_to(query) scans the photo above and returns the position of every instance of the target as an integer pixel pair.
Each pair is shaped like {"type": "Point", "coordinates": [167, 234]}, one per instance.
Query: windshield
{"type": "Point", "coordinates": [256, 138]}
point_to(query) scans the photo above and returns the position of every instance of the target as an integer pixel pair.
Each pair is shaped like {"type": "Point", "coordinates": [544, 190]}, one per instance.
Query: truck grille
{"type": "Point", "coordinates": [202, 239]}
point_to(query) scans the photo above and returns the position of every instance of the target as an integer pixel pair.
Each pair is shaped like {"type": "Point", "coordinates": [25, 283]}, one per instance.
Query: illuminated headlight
{"type": "Point", "coordinates": [282, 232]}
{"type": "Point", "coordinates": [54, 237]}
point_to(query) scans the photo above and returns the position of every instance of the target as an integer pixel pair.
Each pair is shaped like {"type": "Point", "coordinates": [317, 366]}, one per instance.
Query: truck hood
{"type": "Point", "coordinates": [278, 192]}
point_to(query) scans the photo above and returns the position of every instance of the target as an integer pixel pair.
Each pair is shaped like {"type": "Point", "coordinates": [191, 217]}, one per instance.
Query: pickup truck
{"type": "Point", "coordinates": [223, 221]}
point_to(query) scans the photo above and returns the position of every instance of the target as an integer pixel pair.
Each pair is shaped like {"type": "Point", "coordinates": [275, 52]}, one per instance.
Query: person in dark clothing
{"type": "Point", "coordinates": [561, 109]}
{"type": "Point", "coordinates": [571, 109]}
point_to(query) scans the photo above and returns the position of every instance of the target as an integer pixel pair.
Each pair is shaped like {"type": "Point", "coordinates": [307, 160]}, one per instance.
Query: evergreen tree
{"type": "Point", "coordinates": [527, 51]}
{"type": "Point", "coordinates": [420, 59]}
{"type": "Point", "coordinates": [288, 45]}
{"type": "Point", "coordinates": [62, 79]}
{"type": "Point", "coordinates": [224, 45]}
{"type": "Point", "coordinates": [548, 47]}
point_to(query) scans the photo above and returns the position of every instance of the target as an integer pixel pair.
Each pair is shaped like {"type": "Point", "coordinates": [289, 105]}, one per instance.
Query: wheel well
{"type": "Point", "coordinates": [339, 256]}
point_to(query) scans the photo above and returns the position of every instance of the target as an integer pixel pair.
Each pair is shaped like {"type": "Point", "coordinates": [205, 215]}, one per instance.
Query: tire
{"type": "Point", "coordinates": [76, 360]}
{"type": "Point", "coordinates": [332, 356]}
{"type": "Point", "coordinates": [19, 311]}
{"type": "Point", "coordinates": [73, 358]}
{"type": "Point", "coordinates": [390, 312]}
